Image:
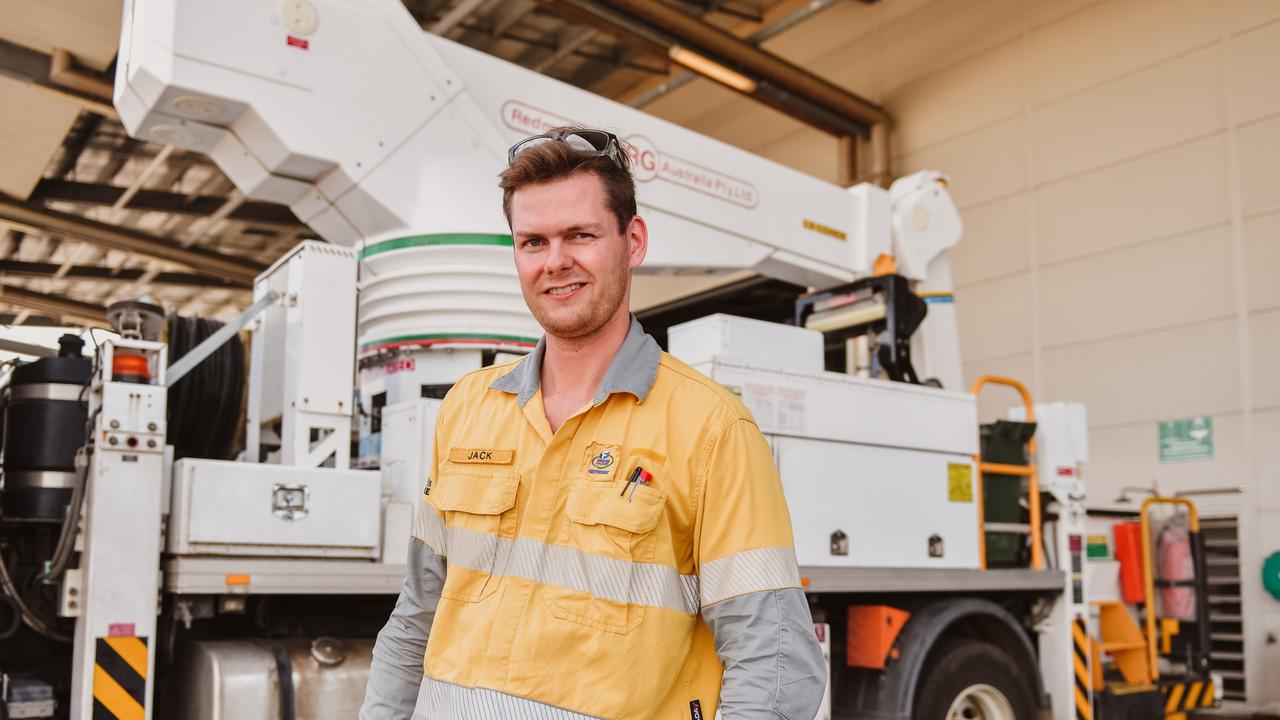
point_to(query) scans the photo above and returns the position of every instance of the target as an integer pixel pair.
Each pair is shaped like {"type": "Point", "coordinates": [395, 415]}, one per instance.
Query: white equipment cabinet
{"type": "Point", "coordinates": [876, 473]}
{"type": "Point", "coordinates": [756, 342]}
{"type": "Point", "coordinates": [302, 368]}
{"type": "Point", "coordinates": [855, 505]}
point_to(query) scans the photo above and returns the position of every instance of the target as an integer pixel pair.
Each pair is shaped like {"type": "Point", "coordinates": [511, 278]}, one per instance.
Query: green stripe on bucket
{"type": "Point", "coordinates": [427, 337]}
{"type": "Point", "coordinates": [401, 243]}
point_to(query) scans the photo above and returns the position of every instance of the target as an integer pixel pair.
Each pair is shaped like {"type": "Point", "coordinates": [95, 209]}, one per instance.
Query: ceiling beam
{"type": "Point", "coordinates": [64, 71]}
{"type": "Point", "coordinates": [654, 26]}
{"type": "Point", "coordinates": [510, 13]}
{"type": "Point", "coordinates": [455, 16]}
{"type": "Point", "coordinates": [234, 270]}
{"type": "Point", "coordinates": [603, 17]}
{"type": "Point", "coordinates": [100, 273]}
{"type": "Point", "coordinates": [781, 17]}
{"type": "Point", "coordinates": [750, 14]}
{"type": "Point", "coordinates": [71, 311]}
{"type": "Point", "coordinates": [39, 69]}
{"type": "Point", "coordinates": [588, 75]}
{"type": "Point", "coordinates": [50, 189]}
{"type": "Point", "coordinates": [74, 144]}
{"type": "Point", "coordinates": [778, 80]}
{"type": "Point", "coordinates": [569, 43]}
{"type": "Point", "coordinates": [23, 348]}
{"type": "Point", "coordinates": [26, 318]}
{"type": "Point", "coordinates": [538, 45]}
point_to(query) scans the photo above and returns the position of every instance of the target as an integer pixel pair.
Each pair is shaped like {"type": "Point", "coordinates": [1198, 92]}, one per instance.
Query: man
{"type": "Point", "coordinates": [612, 522]}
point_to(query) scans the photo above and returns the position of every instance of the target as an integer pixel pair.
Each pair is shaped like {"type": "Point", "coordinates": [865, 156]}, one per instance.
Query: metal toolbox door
{"type": "Point", "coordinates": [270, 506]}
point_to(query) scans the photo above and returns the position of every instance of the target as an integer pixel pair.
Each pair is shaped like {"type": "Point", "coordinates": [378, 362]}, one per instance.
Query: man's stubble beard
{"type": "Point", "coordinates": [591, 318]}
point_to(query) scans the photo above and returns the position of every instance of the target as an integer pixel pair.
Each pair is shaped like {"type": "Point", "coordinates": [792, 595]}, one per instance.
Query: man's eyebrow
{"type": "Point", "coordinates": [595, 228]}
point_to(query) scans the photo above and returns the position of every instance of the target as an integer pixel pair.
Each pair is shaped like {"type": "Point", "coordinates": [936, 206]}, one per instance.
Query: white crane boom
{"type": "Point", "coordinates": [378, 133]}
{"type": "Point", "coordinates": [369, 127]}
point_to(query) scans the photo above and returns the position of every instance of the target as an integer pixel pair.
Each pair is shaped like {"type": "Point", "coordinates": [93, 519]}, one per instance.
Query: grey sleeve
{"type": "Point", "coordinates": [773, 664]}
{"type": "Point", "coordinates": [396, 672]}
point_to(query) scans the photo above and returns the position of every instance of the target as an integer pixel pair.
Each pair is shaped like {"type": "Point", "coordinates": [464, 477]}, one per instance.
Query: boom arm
{"type": "Point", "coordinates": [296, 106]}
{"type": "Point", "coordinates": [372, 130]}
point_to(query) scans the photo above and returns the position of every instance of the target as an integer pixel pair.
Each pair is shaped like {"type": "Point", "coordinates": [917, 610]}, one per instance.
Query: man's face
{"type": "Point", "coordinates": [574, 265]}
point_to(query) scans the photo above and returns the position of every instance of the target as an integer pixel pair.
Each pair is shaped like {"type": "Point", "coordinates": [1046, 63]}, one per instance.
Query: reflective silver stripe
{"type": "Point", "coordinates": [749, 571]}
{"type": "Point", "coordinates": [476, 550]}
{"type": "Point", "coordinates": [630, 583]}
{"type": "Point", "coordinates": [48, 391]}
{"type": "Point", "coordinates": [429, 528]}
{"type": "Point", "coordinates": [40, 479]}
{"type": "Point", "coordinates": [440, 700]}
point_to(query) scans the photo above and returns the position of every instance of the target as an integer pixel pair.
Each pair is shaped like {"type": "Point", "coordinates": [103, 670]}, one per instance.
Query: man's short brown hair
{"type": "Point", "coordinates": [556, 160]}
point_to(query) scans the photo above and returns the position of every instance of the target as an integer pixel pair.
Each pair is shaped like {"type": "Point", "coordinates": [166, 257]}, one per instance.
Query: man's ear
{"type": "Point", "coordinates": [637, 237]}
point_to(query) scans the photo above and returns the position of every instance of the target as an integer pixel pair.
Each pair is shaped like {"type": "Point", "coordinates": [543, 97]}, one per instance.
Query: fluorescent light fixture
{"type": "Point", "coordinates": [712, 69]}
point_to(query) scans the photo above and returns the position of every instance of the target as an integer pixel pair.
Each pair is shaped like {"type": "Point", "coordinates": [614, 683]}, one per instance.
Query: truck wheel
{"type": "Point", "coordinates": [973, 680]}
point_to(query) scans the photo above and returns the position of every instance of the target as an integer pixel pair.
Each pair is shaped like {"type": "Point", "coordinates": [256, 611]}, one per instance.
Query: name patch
{"type": "Point", "coordinates": [481, 455]}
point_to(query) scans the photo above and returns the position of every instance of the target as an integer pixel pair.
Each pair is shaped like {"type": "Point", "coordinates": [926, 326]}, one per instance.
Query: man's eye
{"type": "Point", "coordinates": [584, 235]}
{"type": "Point", "coordinates": [532, 242]}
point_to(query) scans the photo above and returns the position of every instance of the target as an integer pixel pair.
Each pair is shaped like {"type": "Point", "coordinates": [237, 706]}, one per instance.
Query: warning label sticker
{"type": "Point", "coordinates": [1098, 548]}
{"type": "Point", "coordinates": [960, 482]}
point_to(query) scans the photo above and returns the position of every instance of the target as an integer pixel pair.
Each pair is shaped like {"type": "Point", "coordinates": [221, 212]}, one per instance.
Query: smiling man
{"type": "Point", "coordinates": [604, 533]}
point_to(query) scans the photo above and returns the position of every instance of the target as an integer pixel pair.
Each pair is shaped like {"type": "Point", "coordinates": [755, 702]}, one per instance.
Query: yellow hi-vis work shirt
{"type": "Point", "coordinates": [571, 593]}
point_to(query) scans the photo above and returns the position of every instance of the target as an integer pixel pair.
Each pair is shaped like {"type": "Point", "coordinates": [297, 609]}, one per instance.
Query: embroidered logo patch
{"type": "Point", "coordinates": [600, 461]}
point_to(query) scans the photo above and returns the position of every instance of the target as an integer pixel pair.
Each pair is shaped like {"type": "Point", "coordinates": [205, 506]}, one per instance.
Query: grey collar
{"type": "Point", "coordinates": [633, 369]}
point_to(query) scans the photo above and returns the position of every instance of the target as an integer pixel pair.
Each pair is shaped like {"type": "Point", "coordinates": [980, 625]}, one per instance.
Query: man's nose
{"type": "Point", "coordinates": [558, 258]}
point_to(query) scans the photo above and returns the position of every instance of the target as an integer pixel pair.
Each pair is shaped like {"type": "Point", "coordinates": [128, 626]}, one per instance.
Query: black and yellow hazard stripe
{"type": "Point", "coordinates": [1180, 697]}
{"type": "Point", "coordinates": [120, 679]}
{"type": "Point", "coordinates": [1080, 661]}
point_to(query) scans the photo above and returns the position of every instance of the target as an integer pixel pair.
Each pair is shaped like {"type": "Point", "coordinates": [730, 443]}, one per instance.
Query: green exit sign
{"type": "Point", "coordinates": [1186, 440]}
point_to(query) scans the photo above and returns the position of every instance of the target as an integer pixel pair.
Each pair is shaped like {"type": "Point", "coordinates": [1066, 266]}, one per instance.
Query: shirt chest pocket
{"type": "Point", "coordinates": [480, 520]}
{"type": "Point", "coordinates": [609, 575]}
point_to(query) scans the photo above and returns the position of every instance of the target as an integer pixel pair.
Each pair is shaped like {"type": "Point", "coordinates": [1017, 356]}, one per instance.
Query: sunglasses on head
{"type": "Point", "coordinates": [596, 143]}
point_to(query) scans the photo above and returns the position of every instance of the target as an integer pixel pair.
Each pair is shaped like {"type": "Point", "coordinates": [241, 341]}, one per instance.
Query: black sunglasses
{"type": "Point", "coordinates": [597, 143]}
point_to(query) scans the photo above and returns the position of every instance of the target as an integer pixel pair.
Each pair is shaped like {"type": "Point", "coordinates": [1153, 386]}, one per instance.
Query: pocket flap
{"type": "Point", "coordinates": [480, 493]}
{"type": "Point", "coordinates": [595, 504]}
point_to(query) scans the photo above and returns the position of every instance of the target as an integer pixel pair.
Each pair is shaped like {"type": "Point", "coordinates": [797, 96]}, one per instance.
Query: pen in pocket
{"type": "Point", "coordinates": [642, 477]}
{"type": "Point", "coordinates": [630, 479]}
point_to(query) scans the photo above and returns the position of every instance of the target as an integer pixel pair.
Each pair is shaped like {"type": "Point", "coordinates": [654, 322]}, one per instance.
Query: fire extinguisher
{"type": "Point", "coordinates": [1177, 570]}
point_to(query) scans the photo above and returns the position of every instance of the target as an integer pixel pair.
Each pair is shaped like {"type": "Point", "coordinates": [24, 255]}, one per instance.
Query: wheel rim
{"type": "Point", "coordinates": [981, 702]}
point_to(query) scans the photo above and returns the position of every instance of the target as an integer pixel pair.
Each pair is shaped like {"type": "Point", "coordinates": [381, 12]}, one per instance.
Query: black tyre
{"type": "Point", "coordinates": [973, 680]}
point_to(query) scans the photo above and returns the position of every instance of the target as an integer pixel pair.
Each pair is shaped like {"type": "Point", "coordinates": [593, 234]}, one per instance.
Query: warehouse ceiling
{"type": "Point", "coordinates": [89, 216]}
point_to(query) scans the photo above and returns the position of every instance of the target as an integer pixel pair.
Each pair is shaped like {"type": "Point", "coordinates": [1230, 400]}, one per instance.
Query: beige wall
{"type": "Point", "coordinates": [1117, 164]}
